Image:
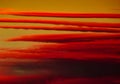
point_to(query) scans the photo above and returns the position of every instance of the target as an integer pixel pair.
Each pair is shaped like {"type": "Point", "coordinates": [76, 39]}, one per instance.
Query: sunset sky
{"type": "Point", "coordinates": [77, 6]}
{"type": "Point", "coordinates": [89, 57]}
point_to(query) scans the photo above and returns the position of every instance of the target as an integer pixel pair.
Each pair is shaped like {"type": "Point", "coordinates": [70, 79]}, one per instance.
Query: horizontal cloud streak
{"type": "Point", "coordinates": [66, 28]}
{"type": "Point", "coordinates": [61, 38]}
{"type": "Point", "coordinates": [77, 23]}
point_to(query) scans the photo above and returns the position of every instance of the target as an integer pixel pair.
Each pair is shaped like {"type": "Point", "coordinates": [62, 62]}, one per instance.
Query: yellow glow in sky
{"type": "Point", "coordinates": [81, 6]}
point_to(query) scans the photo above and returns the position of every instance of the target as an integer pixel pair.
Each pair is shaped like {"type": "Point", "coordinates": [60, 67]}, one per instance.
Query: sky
{"type": "Point", "coordinates": [80, 6]}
